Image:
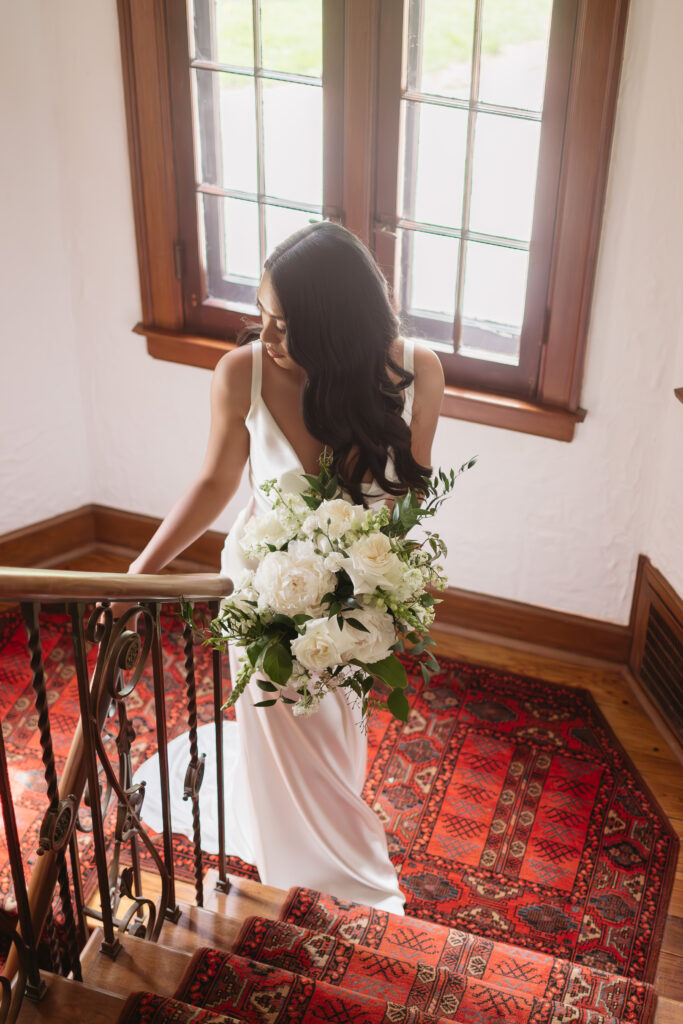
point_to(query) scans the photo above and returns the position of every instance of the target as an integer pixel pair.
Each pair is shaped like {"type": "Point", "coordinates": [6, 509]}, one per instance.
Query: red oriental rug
{"type": "Point", "coordinates": [511, 810]}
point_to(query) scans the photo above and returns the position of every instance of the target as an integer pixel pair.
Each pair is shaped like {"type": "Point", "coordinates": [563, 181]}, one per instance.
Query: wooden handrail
{"type": "Point", "coordinates": [60, 585]}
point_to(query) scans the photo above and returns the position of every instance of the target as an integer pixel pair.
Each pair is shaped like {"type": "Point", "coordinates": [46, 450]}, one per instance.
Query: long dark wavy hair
{"type": "Point", "coordinates": [340, 326]}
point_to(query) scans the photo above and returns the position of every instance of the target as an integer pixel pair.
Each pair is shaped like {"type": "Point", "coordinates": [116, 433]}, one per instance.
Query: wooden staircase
{"type": "Point", "coordinates": [154, 967]}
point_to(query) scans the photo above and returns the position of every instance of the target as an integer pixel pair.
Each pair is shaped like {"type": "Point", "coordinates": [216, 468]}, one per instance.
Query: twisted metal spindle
{"type": "Point", "coordinates": [53, 944]}
{"type": "Point", "coordinates": [223, 884]}
{"type": "Point", "coordinates": [195, 771]}
{"type": "Point", "coordinates": [172, 910]}
{"type": "Point", "coordinates": [30, 614]}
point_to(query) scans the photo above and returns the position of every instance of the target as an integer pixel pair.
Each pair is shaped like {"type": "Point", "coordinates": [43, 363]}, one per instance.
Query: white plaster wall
{"type": "Point", "coordinates": [43, 463]}
{"type": "Point", "coordinates": [555, 524]}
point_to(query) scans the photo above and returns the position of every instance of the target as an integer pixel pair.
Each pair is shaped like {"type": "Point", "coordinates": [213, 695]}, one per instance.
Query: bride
{"type": "Point", "coordinates": [329, 369]}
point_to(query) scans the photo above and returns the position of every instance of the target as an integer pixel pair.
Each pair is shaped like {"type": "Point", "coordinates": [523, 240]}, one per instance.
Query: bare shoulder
{"type": "Point", "coordinates": [232, 379]}
{"type": "Point", "coordinates": [429, 378]}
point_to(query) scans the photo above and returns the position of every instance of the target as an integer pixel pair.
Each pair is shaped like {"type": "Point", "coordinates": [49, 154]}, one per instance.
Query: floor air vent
{"type": "Point", "coordinates": [657, 650]}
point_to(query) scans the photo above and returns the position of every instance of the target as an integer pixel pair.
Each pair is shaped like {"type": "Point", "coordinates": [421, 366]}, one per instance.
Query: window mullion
{"type": "Point", "coordinates": [469, 161]}
{"type": "Point", "coordinates": [260, 136]}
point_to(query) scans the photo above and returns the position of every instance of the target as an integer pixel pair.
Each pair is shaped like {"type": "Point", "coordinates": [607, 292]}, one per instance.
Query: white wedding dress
{"type": "Point", "coordinates": [292, 784]}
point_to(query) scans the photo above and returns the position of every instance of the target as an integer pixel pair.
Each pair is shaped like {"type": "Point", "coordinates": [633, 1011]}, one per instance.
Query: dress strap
{"type": "Point", "coordinates": [408, 364]}
{"type": "Point", "coordinates": [256, 370]}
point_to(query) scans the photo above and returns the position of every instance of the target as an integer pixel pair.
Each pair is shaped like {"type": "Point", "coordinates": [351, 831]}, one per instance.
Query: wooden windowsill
{"type": "Point", "coordinates": [458, 403]}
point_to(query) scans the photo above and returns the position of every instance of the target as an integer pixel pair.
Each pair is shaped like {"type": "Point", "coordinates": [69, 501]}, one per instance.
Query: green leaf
{"type": "Point", "coordinates": [389, 670]}
{"type": "Point", "coordinates": [277, 663]}
{"type": "Point", "coordinates": [265, 684]}
{"type": "Point", "coordinates": [256, 649]}
{"type": "Point", "coordinates": [283, 620]}
{"type": "Point", "coordinates": [287, 700]}
{"type": "Point", "coordinates": [357, 625]}
{"type": "Point", "coordinates": [299, 619]}
{"type": "Point", "coordinates": [397, 703]}
{"type": "Point", "coordinates": [265, 703]}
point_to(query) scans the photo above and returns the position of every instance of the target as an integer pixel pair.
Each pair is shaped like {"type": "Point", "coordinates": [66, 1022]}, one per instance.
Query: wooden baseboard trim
{"type": "Point", "coordinates": [46, 543]}
{"type": "Point", "coordinates": [462, 609]}
{"type": "Point", "coordinates": [132, 530]}
{"type": "Point", "coordinates": [50, 541]}
{"type": "Point", "coordinates": [42, 544]}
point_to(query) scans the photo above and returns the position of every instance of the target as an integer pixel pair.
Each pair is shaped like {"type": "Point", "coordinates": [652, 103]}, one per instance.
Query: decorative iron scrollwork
{"type": "Point", "coordinates": [128, 813]}
{"type": "Point", "coordinates": [57, 824]}
{"type": "Point", "coordinates": [194, 776]}
{"type": "Point", "coordinates": [126, 890]}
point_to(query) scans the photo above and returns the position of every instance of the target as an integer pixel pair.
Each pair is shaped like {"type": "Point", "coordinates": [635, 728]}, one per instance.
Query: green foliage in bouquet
{"type": "Point", "coordinates": [338, 591]}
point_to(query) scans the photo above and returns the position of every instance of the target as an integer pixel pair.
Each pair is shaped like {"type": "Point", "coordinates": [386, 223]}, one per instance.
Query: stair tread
{"type": "Point", "coordinates": [67, 1001]}
{"type": "Point", "coordinates": [140, 964]}
{"type": "Point", "coordinates": [198, 927]}
{"type": "Point", "coordinates": [244, 899]}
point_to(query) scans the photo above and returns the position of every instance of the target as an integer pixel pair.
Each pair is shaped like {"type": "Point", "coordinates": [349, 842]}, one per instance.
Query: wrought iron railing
{"type": "Point", "coordinates": [90, 780]}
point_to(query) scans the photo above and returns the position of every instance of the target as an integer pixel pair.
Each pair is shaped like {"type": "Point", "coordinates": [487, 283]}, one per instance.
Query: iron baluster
{"type": "Point", "coordinates": [195, 769]}
{"type": "Point", "coordinates": [59, 822]}
{"type": "Point", "coordinates": [110, 945]}
{"type": "Point", "coordinates": [172, 910]}
{"type": "Point", "coordinates": [222, 885]}
{"type": "Point", "coordinates": [35, 986]}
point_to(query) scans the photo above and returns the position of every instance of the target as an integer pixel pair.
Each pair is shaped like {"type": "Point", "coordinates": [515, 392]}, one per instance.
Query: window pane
{"type": "Point", "coordinates": [440, 34]}
{"type": "Point", "coordinates": [504, 176]}
{"type": "Point", "coordinates": [282, 222]}
{"type": "Point", "coordinates": [435, 140]}
{"type": "Point", "coordinates": [223, 31]}
{"type": "Point", "coordinates": [514, 52]}
{"type": "Point", "coordinates": [231, 239]}
{"type": "Point", "coordinates": [495, 285]}
{"type": "Point", "coordinates": [293, 141]}
{"type": "Point", "coordinates": [227, 130]}
{"type": "Point", "coordinates": [292, 36]}
{"type": "Point", "coordinates": [434, 262]}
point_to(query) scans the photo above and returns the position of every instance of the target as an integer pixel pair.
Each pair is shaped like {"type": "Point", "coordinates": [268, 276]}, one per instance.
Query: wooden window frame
{"type": "Point", "coordinates": [149, 30]}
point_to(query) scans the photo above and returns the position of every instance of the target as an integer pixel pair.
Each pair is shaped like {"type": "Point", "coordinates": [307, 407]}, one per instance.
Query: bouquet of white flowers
{"type": "Point", "coordinates": [338, 590]}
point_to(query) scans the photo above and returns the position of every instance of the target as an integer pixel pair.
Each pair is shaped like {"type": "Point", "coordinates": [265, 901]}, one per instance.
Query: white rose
{"type": "Point", "coordinates": [337, 517]}
{"type": "Point", "coordinates": [260, 531]}
{"type": "Point", "coordinates": [334, 561]}
{"type": "Point", "coordinates": [371, 564]}
{"type": "Point", "coordinates": [293, 581]}
{"type": "Point", "coordinates": [373, 645]}
{"type": "Point", "coordinates": [320, 646]}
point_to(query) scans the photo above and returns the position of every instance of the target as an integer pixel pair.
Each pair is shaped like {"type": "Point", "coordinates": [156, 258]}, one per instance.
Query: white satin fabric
{"type": "Point", "coordinates": [293, 784]}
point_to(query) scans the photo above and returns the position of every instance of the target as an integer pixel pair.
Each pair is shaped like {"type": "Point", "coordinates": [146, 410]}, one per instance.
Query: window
{"type": "Point", "coordinates": [465, 142]}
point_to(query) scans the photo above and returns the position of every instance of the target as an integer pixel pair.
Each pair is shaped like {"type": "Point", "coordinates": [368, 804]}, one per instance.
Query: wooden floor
{"type": "Point", "coordinates": [614, 691]}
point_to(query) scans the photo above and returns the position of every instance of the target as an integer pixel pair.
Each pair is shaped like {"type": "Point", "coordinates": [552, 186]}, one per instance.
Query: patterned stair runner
{"type": "Point", "coordinates": [489, 961]}
{"type": "Point", "coordinates": [327, 961]}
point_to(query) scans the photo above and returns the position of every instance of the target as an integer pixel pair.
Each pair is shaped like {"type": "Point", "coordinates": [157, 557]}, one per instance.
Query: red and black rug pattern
{"type": "Point", "coordinates": [429, 988]}
{"type": "Point", "coordinates": [444, 970]}
{"type": "Point", "coordinates": [510, 808]}
{"type": "Point", "coordinates": [513, 812]}
{"type": "Point", "coordinates": [260, 993]}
